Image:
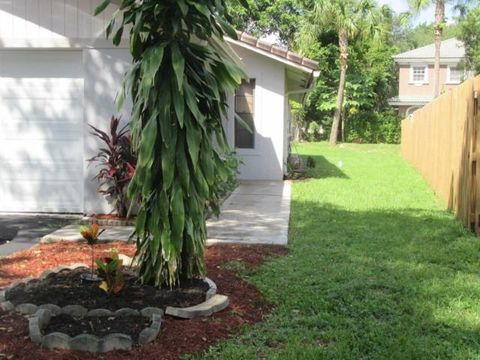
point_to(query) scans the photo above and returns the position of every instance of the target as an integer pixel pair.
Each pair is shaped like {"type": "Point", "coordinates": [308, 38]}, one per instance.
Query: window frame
{"type": "Point", "coordinates": [449, 78]}
{"type": "Point", "coordinates": [254, 149]}
{"type": "Point", "coordinates": [425, 76]}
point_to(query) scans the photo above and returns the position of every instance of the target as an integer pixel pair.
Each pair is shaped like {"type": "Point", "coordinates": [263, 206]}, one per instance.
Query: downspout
{"type": "Point", "coordinates": [310, 84]}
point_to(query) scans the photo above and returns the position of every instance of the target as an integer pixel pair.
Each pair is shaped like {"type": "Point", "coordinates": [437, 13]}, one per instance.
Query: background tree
{"type": "Point", "coordinates": [181, 73]}
{"type": "Point", "coordinates": [469, 33]}
{"type": "Point", "coordinates": [267, 17]}
{"type": "Point", "coordinates": [348, 19]}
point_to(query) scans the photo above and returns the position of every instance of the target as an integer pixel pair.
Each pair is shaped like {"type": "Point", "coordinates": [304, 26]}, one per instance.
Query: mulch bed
{"type": "Point", "coordinates": [177, 337]}
{"type": "Point", "coordinates": [98, 326]}
{"type": "Point", "coordinates": [67, 288]}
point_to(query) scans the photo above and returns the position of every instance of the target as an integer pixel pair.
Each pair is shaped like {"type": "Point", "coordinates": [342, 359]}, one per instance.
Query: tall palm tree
{"type": "Point", "coordinates": [348, 18]}
{"type": "Point", "coordinates": [418, 5]}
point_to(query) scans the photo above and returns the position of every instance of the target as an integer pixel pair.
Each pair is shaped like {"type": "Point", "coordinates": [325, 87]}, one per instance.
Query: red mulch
{"type": "Point", "coordinates": [177, 337]}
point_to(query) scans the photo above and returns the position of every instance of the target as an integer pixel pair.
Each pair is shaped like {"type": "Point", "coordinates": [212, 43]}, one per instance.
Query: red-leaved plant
{"type": "Point", "coordinates": [117, 162]}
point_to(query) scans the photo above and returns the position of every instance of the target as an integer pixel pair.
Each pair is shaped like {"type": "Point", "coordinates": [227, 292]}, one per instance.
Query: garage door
{"type": "Point", "coordinates": [41, 127]}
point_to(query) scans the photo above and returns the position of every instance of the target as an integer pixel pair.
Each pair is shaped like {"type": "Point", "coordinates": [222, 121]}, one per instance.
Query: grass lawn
{"type": "Point", "coordinates": [376, 268]}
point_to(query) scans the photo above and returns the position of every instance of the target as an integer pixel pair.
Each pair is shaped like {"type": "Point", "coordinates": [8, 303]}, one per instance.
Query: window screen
{"type": "Point", "coordinates": [419, 73]}
{"type": "Point", "coordinates": [244, 108]}
{"type": "Point", "coordinates": [455, 75]}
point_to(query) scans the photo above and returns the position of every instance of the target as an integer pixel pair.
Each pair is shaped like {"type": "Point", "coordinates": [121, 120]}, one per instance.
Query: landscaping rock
{"type": "Point", "coordinates": [46, 274]}
{"type": "Point", "coordinates": [150, 311]}
{"type": "Point", "coordinates": [212, 291]}
{"type": "Point", "coordinates": [54, 309]}
{"type": "Point", "coordinates": [56, 340]}
{"type": "Point", "coordinates": [74, 311]}
{"type": "Point", "coordinates": [99, 313]}
{"type": "Point", "coordinates": [86, 342]}
{"type": "Point", "coordinates": [156, 322]}
{"type": "Point", "coordinates": [116, 342]}
{"type": "Point", "coordinates": [43, 316]}
{"type": "Point", "coordinates": [147, 335]}
{"type": "Point", "coordinates": [127, 312]}
{"type": "Point", "coordinates": [7, 306]}
{"type": "Point", "coordinates": [207, 308]}
{"type": "Point", "coordinates": [127, 260]}
{"type": "Point", "coordinates": [60, 268]}
{"type": "Point", "coordinates": [77, 266]}
{"type": "Point", "coordinates": [34, 330]}
{"type": "Point", "coordinates": [26, 309]}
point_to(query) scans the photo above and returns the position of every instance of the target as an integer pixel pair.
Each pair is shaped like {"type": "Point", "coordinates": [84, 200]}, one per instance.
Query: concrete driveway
{"type": "Point", "coordinates": [18, 232]}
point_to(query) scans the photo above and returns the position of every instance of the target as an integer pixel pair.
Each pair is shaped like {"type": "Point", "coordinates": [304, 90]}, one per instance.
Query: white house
{"type": "Point", "coordinates": [58, 73]}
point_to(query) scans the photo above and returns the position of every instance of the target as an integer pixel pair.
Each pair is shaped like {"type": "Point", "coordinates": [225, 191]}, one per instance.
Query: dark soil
{"type": "Point", "coordinates": [177, 336]}
{"type": "Point", "coordinates": [67, 288]}
{"type": "Point", "coordinates": [98, 326]}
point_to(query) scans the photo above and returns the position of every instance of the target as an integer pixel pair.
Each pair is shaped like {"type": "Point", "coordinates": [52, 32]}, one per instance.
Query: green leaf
{"type": "Point", "coordinates": [102, 6]}
{"type": "Point", "coordinates": [182, 164]}
{"type": "Point", "coordinates": [149, 138]}
{"type": "Point", "coordinates": [179, 104]}
{"type": "Point", "coordinates": [149, 68]}
{"type": "Point", "coordinates": [178, 63]}
{"type": "Point", "coordinates": [178, 210]}
{"type": "Point", "coordinates": [117, 38]}
{"type": "Point", "coordinates": [193, 142]}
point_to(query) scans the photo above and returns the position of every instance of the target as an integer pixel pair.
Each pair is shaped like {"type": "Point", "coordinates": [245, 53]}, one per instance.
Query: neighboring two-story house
{"type": "Point", "coordinates": [416, 74]}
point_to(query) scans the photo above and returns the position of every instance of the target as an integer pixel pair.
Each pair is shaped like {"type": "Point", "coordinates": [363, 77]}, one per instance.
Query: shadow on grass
{"type": "Point", "coordinates": [400, 283]}
{"type": "Point", "coordinates": [324, 168]}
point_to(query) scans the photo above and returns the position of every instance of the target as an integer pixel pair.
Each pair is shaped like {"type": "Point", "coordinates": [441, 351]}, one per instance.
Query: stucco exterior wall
{"type": "Point", "coordinates": [265, 161]}
{"type": "Point", "coordinates": [408, 89]}
{"type": "Point", "coordinates": [53, 23]}
{"type": "Point", "coordinates": [104, 70]}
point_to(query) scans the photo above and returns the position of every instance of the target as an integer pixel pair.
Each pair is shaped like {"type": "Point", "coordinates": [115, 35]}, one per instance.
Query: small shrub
{"type": "Point", "coordinates": [372, 127]}
{"type": "Point", "coordinates": [91, 234]}
{"type": "Point", "coordinates": [116, 161]}
{"type": "Point", "coordinates": [224, 187]}
{"type": "Point", "coordinates": [110, 270]}
{"type": "Point", "coordinates": [313, 131]}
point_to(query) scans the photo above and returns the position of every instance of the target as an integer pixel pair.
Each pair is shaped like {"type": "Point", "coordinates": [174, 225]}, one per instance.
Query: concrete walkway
{"type": "Point", "coordinates": [257, 212]}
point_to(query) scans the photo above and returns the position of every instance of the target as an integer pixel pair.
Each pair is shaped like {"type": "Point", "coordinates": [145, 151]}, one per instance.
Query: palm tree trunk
{"type": "Point", "coordinates": [343, 43]}
{"type": "Point", "coordinates": [439, 20]}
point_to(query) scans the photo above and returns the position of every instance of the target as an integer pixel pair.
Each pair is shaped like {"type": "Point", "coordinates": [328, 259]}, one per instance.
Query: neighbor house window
{"type": "Point", "coordinates": [418, 74]}
{"type": "Point", "coordinates": [454, 75]}
{"type": "Point", "coordinates": [244, 108]}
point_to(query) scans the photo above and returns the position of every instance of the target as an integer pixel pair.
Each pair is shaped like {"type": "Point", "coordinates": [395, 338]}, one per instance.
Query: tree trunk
{"type": "Point", "coordinates": [439, 21]}
{"type": "Point", "coordinates": [343, 43]}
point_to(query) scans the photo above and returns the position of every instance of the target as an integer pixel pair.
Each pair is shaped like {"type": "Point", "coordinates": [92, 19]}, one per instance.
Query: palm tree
{"type": "Point", "coordinates": [418, 5]}
{"type": "Point", "coordinates": [349, 19]}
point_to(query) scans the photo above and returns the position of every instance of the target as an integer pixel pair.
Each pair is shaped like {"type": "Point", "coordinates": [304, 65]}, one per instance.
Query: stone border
{"type": "Point", "coordinates": [92, 343]}
{"type": "Point", "coordinates": [212, 304]}
{"type": "Point", "coordinates": [215, 304]}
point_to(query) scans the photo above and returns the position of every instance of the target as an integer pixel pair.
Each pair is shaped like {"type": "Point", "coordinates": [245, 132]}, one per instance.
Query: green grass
{"type": "Point", "coordinates": [377, 269]}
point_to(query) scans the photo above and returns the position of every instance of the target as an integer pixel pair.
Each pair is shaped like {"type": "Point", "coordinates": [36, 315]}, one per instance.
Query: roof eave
{"type": "Point", "coordinates": [270, 55]}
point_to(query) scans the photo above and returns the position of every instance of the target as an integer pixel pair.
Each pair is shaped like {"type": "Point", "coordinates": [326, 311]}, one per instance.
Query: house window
{"type": "Point", "coordinates": [454, 75]}
{"type": "Point", "coordinates": [244, 108]}
{"type": "Point", "coordinates": [418, 74]}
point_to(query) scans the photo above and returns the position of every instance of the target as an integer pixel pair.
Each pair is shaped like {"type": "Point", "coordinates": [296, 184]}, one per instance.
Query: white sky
{"type": "Point", "coordinates": [425, 16]}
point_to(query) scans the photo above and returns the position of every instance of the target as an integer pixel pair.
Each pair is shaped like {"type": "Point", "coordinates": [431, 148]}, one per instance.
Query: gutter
{"type": "Point", "coordinates": [314, 75]}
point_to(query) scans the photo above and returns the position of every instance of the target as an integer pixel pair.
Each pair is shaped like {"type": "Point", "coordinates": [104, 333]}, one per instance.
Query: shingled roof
{"type": "Point", "coordinates": [449, 49]}
{"type": "Point", "coordinates": [277, 50]}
